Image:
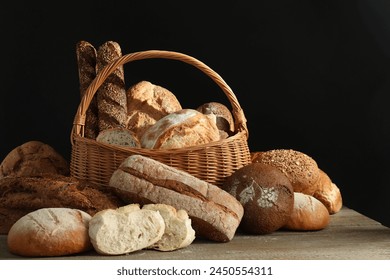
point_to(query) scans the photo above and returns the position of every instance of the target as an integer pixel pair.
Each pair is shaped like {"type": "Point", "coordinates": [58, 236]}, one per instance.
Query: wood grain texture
{"type": "Point", "coordinates": [349, 236]}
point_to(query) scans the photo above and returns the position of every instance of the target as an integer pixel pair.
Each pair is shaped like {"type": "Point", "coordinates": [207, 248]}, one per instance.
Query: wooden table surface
{"type": "Point", "coordinates": [349, 236]}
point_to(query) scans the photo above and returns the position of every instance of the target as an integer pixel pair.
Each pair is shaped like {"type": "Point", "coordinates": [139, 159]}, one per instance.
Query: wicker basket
{"type": "Point", "coordinates": [213, 162]}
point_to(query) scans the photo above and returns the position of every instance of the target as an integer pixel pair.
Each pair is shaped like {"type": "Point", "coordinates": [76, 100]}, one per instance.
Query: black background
{"type": "Point", "coordinates": [310, 75]}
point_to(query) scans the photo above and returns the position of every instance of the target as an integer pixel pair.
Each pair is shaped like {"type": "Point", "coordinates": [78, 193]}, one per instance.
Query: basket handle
{"type": "Point", "coordinates": [79, 120]}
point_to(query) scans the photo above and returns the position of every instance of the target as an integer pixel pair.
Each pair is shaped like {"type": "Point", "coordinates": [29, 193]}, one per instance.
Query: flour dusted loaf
{"type": "Point", "coordinates": [183, 128]}
{"type": "Point", "coordinates": [301, 169]}
{"type": "Point", "coordinates": [146, 104]}
{"type": "Point", "coordinates": [33, 158]}
{"type": "Point", "coordinates": [308, 214]}
{"type": "Point", "coordinates": [125, 230]}
{"type": "Point", "coordinates": [178, 231]}
{"type": "Point", "coordinates": [266, 195]}
{"type": "Point", "coordinates": [50, 232]}
{"type": "Point", "coordinates": [214, 213]}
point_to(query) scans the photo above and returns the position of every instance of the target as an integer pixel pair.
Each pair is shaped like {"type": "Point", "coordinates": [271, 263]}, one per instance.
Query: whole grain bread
{"type": "Point", "coordinates": [111, 96]}
{"type": "Point", "coordinates": [21, 195]}
{"type": "Point", "coordinates": [86, 61]}
{"type": "Point", "coordinates": [33, 158]}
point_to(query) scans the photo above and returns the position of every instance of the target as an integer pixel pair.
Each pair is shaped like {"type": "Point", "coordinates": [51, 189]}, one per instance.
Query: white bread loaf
{"type": "Point", "coordinates": [146, 104]}
{"type": "Point", "coordinates": [215, 214]}
{"type": "Point", "coordinates": [119, 136]}
{"type": "Point", "coordinates": [50, 232]}
{"type": "Point", "coordinates": [183, 128]}
{"type": "Point", "coordinates": [125, 230]}
{"type": "Point", "coordinates": [178, 230]}
{"type": "Point", "coordinates": [308, 214]}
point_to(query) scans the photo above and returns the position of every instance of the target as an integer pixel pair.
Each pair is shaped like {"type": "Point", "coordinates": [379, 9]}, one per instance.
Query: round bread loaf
{"type": "Point", "coordinates": [183, 128]}
{"type": "Point", "coordinates": [33, 158]}
{"type": "Point", "coordinates": [50, 232]}
{"type": "Point", "coordinates": [328, 193]}
{"type": "Point", "coordinates": [266, 195]}
{"type": "Point", "coordinates": [224, 118]}
{"type": "Point", "coordinates": [146, 104]}
{"type": "Point", "coordinates": [300, 169]}
{"type": "Point", "coordinates": [308, 214]}
{"type": "Point", "coordinates": [119, 136]}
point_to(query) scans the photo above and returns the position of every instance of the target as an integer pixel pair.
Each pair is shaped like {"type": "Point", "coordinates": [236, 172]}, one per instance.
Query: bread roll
{"type": "Point", "coordinates": [33, 158]}
{"type": "Point", "coordinates": [86, 61]}
{"type": "Point", "coordinates": [50, 232]}
{"type": "Point", "coordinates": [224, 118]}
{"type": "Point", "coordinates": [119, 136]}
{"type": "Point", "coordinates": [266, 195]}
{"type": "Point", "coordinates": [328, 193]}
{"type": "Point", "coordinates": [178, 230]}
{"type": "Point", "coordinates": [118, 232]}
{"type": "Point", "coordinates": [308, 214]}
{"type": "Point", "coordinates": [22, 195]}
{"type": "Point", "coordinates": [183, 128]}
{"type": "Point", "coordinates": [215, 214]}
{"type": "Point", "coordinates": [300, 169]}
{"type": "Point", "coordinates": [146, 104]}
{"type": "Point", "coordinates": [111, 96]}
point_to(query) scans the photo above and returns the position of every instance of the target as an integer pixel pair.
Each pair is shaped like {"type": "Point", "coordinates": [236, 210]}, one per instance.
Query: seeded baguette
{"type": "Point", "coordinates": [111, 96]}
{"type": "Point", "coordinates": [86, 61]}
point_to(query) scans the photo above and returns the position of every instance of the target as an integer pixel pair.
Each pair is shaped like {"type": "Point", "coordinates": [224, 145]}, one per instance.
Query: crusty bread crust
{"type": "Point", "coordinates": [146, 104]}
{"type": "Point", "coordinates": [33, 158]}
{"type": "Point", "coordinates": [328, 193]}
{"type": "Point", "coordinates": [183, 128]}
{"type": "Point", "coordinates": [266, 195]}
{"type": "Point", "coordinates": [215, 214]}
{"type": "Point", "coordinates": [301, 169]}
{"type": "Point", "coordinates": [22, 195]}
{"type": "Point", "coordinates": [86, 61]}
{"type": "Point", "coordinates": [111, 96]}
{"type": "Point", "coordinates": [308, 214]}
{"type": "Point", "coordinates": [50, 232]}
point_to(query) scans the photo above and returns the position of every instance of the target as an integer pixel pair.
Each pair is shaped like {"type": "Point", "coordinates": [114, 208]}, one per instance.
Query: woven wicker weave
{"type": "Point", "coordinates": [213, 162]}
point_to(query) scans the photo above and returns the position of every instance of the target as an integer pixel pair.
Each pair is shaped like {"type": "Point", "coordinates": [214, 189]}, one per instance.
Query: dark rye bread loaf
{"type": "Point", "coordinates": [266, 194]}
{"type": "Point", "coordinates": [86, 61]}
{"type": "Point", "coordinates": [215, 214]}
{"type": "Point", "coordinates": [111, 96]}
{"type": "Point", "coordinates": [22, 195]}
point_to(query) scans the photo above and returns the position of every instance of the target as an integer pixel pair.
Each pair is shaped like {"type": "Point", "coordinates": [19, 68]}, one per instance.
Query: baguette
{"type": "Point", "coordinates": [111, 96]}
{"type": "Point", "coordinates": [86, 60]}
